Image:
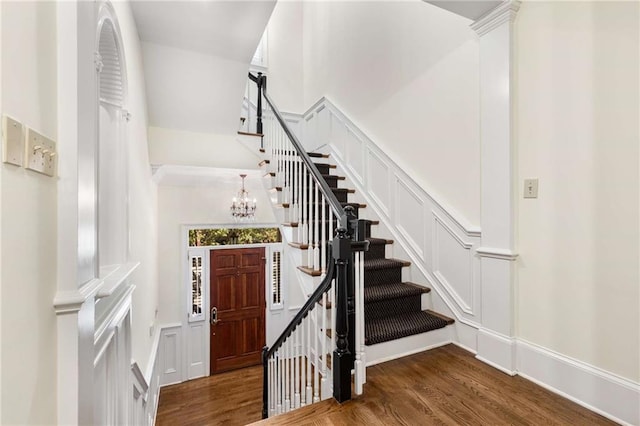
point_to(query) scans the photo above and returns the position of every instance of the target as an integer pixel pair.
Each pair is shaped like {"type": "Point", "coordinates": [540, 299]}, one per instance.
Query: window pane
{"type": "Point", "coordinates": [196, 285]}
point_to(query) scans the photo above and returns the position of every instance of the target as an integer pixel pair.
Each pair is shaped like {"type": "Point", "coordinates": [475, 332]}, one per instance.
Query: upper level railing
{"type": "Point", "coordinates": [313, 357]}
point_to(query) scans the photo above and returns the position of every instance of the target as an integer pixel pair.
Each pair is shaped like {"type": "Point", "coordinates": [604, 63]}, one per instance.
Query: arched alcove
{"type": "Point", "coordinates": [112, 145]}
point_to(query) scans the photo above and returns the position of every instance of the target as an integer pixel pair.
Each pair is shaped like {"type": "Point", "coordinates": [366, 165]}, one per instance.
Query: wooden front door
{"type": "Point", "coordinates": [237, 294]}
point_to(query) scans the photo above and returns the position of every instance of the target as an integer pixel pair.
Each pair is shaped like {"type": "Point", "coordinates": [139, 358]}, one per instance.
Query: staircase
{"type": "Point", "coordinates": [357, 298]}
{"type": "Point", "coordinates": [392, 307]}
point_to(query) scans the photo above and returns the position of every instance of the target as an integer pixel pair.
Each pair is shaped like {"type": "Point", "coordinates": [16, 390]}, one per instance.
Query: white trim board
{"type": "Point", "coordinates": [602, 392]}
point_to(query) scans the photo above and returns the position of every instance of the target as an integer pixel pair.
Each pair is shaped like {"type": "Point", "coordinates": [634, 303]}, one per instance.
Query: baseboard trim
{"type": "Point", "coordinates": [613, 397]}
{"type": "Point", "coordinates": [497, 350]}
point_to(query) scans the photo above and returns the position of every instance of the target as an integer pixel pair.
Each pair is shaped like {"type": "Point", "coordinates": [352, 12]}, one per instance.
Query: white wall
{"type": "Point", "coordinates": [284, 39]}
{"type": "Point", "coordinates": [407, 74]}
{"type": "Point", "coordinates": [196, 197]}
{"type": "Point", "coordinates": [185, 89]}
{"type": "Point", "coordinates": [577, 118]}
{"type": "Point", "coordinates": [28, 223]}
{"type": "Point", "coordinates": [179, 147]}
{"type": "Point", "coordinates": [142, 196]}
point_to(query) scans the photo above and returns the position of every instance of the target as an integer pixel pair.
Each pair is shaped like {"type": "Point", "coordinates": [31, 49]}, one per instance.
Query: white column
{"type": "Point", "coordinates": [496, 344]}
{"type": "Point", "coordinates": [76, 247]}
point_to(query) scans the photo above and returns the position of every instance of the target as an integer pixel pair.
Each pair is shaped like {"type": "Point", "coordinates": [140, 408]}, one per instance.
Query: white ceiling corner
{"type": "Point", "coordinates": [471, 9]}
{"type": "Point", "coordinates": [196, 55]}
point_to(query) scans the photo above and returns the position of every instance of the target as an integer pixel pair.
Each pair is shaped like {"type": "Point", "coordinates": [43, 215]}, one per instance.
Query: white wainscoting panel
{"type": "Point", "coordinates": [354, 155]}
{"type": "Point", "coordinates": [406, 211]}
{"type": "Point", "coordinates": [409, 217]}
{"type": "Point", "coordinates": [453, 264]}
{"type": "Point", "coordinates": [170, 351]}
{"type": "Point", "coordinates": [378, 181]}
{"type": "Point", "coordinates": [337, 136]}
{"type": "Point", "coordinates": [196, 349]}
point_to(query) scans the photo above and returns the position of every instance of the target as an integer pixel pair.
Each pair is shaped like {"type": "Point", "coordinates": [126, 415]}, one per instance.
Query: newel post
{"type": "Point", "coordinates": [342, 361]}
{"type": "Point", "coordinates": [260, 81]}
{"type": "Point", "coordinates": [265, 382]}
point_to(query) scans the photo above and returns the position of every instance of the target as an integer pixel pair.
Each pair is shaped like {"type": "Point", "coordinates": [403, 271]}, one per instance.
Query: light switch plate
{"type": "Point", "coordinates": [531, 188]}
{"type": "Point", "coordinates": [41, 153]}
{"type": "Point", "coordinates": [12, 141]}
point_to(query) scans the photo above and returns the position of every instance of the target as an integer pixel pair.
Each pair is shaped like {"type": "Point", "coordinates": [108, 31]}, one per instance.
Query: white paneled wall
{"type": "Point", "coordinates": [439, 241]}
{"type": "Point", "coordinates": [170, 353]}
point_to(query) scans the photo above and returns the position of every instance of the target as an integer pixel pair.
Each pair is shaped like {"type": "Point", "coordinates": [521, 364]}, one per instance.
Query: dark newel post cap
{"type": "Point", "coordinates": [341, 246]}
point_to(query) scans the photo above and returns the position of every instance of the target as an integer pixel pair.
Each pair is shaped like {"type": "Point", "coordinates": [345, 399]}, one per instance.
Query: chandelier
{"type": "Point", "coordinates": [242, 207]}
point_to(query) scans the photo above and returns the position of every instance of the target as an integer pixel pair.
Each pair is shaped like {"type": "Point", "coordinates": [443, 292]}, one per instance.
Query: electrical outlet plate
{"type": "Point", "coordinates": [12, 141]}
{"type": "Point", "coordinates": [41, 153]}
{"type": "Point", "coordinates": [531, 188]}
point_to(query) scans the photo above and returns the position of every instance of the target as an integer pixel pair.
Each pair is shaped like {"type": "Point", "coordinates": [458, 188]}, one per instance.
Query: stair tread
{"type": "Point", "coordinates": [381, 292]}
{"type": "Point", "coordinates": [395, 327]}
{"type": "Point", "coordinates": [299, 246]}
{"type": "Point", "coordinates": [310, 271]}
{"type": "Point", "coordinates": [375, 264]}
{"type": "Point", "coordinates": [379, 241]}
{"type": "Point", "coordinates": [330, 176]}
{"type": "Point", "coordinates": [347, 190]}
{"type": "Point", "coordinates": [441, 316]}
{"type": "Point", "coordinates": [331, 166]}
{"type": "Point", "coordinates": [317, 155]}
{"type": "Point", "coordinates": [250, 133]}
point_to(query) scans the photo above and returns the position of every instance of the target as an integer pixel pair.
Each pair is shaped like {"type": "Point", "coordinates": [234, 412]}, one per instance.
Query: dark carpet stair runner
{"type": "Point", "coordinates": [392, 308]}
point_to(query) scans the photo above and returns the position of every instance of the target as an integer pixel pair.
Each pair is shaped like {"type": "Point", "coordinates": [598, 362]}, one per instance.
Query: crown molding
{"type": "Point", "coordinates": [505, 12]}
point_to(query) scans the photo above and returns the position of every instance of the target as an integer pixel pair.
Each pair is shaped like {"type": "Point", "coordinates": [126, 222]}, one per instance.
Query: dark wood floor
{"type": "Point", "coordinates": [444, 386]}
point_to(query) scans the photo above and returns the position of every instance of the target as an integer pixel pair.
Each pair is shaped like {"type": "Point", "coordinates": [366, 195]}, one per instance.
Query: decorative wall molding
{"type": "Point", "coordinates": [412, 231]}
{"type": "Point", "coordinates": [504, 12]}
{"type": "Point", "coordinates": [464, 304]}
{"type": "Point", "coordinates": [116, 278]}
{"type": "Point", "coordinates": [612, 396]}
{"type": "Point", "coordinates": [469, 229]}
{"type": "Point", "coordinates": [67, 302]}
{"type": "Point", "coordinates": [170, 350]}
{"type": "Point", "coordinates": [496, 253]}
{"type": "Point", "coordinates": [113, 316]}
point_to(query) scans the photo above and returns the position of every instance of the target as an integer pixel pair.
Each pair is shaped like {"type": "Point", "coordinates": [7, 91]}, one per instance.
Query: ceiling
{"type": "Point", "coordinates": [196, 56]}
{"type": "Point", "coordinates": [227, 29]}
{"type": "Point", "coordinates": [472, 9]}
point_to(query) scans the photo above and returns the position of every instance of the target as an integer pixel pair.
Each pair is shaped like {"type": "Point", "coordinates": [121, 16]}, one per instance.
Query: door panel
{"type": "Point", "coordinates": [237, 291]}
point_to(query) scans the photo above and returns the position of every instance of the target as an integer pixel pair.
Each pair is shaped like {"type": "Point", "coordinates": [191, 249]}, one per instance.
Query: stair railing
{"type": "Point", "coordinates": [313, 357]}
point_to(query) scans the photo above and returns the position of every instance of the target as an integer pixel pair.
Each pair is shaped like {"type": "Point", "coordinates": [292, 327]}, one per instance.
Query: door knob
{"type": "Point", "coordinates": [214, 316]}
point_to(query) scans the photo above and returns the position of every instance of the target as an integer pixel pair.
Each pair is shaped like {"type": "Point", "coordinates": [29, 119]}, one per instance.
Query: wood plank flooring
{"type": "Point", "coordinates": [444, 386]}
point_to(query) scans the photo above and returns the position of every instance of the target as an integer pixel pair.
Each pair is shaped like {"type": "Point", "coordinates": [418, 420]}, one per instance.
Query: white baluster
{"type": "Point", "coordinates": [316, 370]}
{"type": "Point", "coordinates": [279, 383]}
{"type": "Point", "coordinates": [303, 364]}
{"type": "Point", "coordinates": [325, 301]}
{"type": "Point", "coordinates": [296, 399]}
{"type": "Point", "coordinates": [323, 238]}
{"type": "Point", "coordinates": [299, 198]}
{"type": "Point", "coordinates": [287, 395]}
{"type": "Point", "coordinates": [312, 219]}
{"type": "Point", "coordinates": [358, 295]}
{"type": "Point", "coordinates": [333, 316]}
{"type": "Point", "coordinates": [272, 388]}
{"type": "Point", "coordinates": [316, 233]}
{"type": "Point", "coordinates": [363, 354]}
{"type": "Point", "coordinates": [308, 388]}
{"type": "Point", "coordinates": [305, 201]}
